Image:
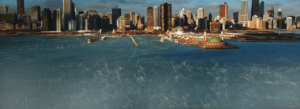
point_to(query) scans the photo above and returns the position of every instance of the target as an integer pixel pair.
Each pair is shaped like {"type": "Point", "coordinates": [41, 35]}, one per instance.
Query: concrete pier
{"type": "Point", "coordinates": [136, 45]}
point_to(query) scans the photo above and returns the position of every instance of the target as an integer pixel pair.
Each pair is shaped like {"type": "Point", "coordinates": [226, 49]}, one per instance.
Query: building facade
{"type": "Point", "coordinates": [46, 22]}
{"type": "Point", "coordinates": [67, 13]}
{"type": "Point", "coordinates": [5, 9]}
{"type": "Point", "coordinates": [156, 17]}
{"type": "Point", "coordinates": [289, 23]}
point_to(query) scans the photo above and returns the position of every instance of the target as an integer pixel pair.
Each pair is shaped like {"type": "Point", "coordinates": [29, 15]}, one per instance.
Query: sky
{"type": "Point", "coordinates": [289, 7]}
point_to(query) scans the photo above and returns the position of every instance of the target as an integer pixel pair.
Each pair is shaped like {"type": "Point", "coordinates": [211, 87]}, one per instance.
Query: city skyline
{"type": "Point", "coordinates": [127, 6]}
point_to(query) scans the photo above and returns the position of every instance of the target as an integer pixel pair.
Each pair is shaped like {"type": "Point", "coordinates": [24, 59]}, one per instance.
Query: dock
{"type": "Point", "coordinates": [92, 39]}
{"type": "Point", "coordinates": [136, 45]}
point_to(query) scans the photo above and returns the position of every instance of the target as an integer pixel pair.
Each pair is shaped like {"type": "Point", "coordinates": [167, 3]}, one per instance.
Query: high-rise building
{"type": "Point", "coordinates": [46, 22]}
{"type": "Point", "coordinates": [255, 8]}
{"type": "Point", "coordinates": [150, 22]}
{"type": "Point", "coordinates": [210, 17]}
{"type": "Point", "coordinates": [271, 12]}
{"type": "Point", "coordinates": [127, 18]}
{"type": "Point", "coordinates": [58, 19]}
{"type": "Point", "coordinates": [298, 21]}
{"type": "Point", "coordinates": [279, 14]}
{"type": "Point", "coordinates": [166, 16]}
{"type": "Point", "coordinates": [86, 13]}
{"type": "Point", "coordinates": [266, 17]}
{"type": "Point", "coordinates": [293, 19]}
{"type": "Point", "coordinates": [236, 17]}
{"type": "Point", "coordinates": [224, 10]}
{"type": "Point", "coordinates": [109, 16]}
{"type": "Point", "coordinates": [35, 13]}
{"type": "Point", "coordinates": [289, 23]}
{"type": "Point", "coordinates": [116, 13]}
{"type": "Point", "coordinates": [261, 9]}
{"type": "Point", "coordinates": [67, 13]}
{"type": "Point", "coordinates": [200, 13]}
{"type": "Point", "coordinates": [20, 7]}
{"type": "Point", "coordinates": [92, 12]}
{"type": "Point", "coordinates": [132, 16]}
{"type": "Point", "coordinates": [156, 16]}
{"type": "Point", "coordinates": [5, 9]}
{"type": "Point", "coordinates": [244, 11]}
{"type": "Point", "coordinates": [72, 25]}
{"type": "Point", "coordinates": [189, 16]}
{"type": "Point", "coordinates": [81, 22]}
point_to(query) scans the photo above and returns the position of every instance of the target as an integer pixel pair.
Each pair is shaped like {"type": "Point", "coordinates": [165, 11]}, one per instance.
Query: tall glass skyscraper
{"type": "Point", "coordinates": [244, 11]}
{"type": "Point", "coordinates": [261, 9]}
{"type": "Point", "coordinates": [255, 8]}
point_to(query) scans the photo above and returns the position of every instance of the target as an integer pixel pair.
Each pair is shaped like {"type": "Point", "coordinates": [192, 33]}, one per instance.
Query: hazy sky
{"type": "Point", "coordinates": [289, 7]}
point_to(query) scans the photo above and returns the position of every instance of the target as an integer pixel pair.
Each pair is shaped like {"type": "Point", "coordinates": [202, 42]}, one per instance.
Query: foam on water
{"type": "Point", "coordinates": [65, 72]}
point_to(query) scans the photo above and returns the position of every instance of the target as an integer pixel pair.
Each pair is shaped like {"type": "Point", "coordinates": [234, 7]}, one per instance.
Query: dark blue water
{"type": "Point", "coordinates": [67, 73]}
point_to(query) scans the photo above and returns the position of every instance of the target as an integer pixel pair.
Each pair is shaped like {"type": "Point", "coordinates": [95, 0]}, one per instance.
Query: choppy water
{"type": "Point", "coordinates": [67, 73]}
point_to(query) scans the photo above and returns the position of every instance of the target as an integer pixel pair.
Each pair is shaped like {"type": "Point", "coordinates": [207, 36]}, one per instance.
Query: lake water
{"type": "Point", "coordinates": [68, 73]}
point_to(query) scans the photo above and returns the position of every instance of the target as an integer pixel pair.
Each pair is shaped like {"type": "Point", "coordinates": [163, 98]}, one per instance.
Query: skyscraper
{"type": "Point", "coordinates": [116, 13]}
{"type": "Point", "coordinates": [210, 17]}
{"type": "Point", "coordinates": [289, 23]}
{"type": "Point", "coordinates": [255, 8]}
{"type": "Point", "coordinates": [5, 9]}
{"type": "Point", "coordinates": [271, 12]}
{"type": "Point", "coordinates": [92, 12]}
{"type": "Point", "coordinates": [35, 13]}
{"type": "Point", "coordinates": [67, 13]}
{"type": "Point", "coordinates": [200, 13]}
{"type": "Point", "coordinates": [189, 16]}
{"type": "Point", "coordinates": [20, 7]}
{"type": "Point", "coordinates": [244, 11]}
{"type": "Point", "coordinates": [156, 16]}
{"type": "Point", "coordinates": [166, 16]}
{"type": "Point", "coordinates": [224, 10]}
{"type": "Point", "coordinates": [58, 19]}
{"type": "Point", "coordinates": [150, 22]}
{"type": "Point", "coordinates": [132, 16]}
{"type": "Point", "coordinates": [261, 9]}
{"type": "Point", "coordinates": [46, 22]}
{"type": "Point", "coordinates": [236, 17]}
{"type": "Point", "coordinates": [86, 13]}
{"type": "Point", "coordinates": [279, 14]}
{"type": "Point", "coordinates": [298, 21]}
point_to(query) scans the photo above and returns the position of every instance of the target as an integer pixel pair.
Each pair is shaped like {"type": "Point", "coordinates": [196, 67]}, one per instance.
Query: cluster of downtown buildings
{"type": "Point", "coordinates": [159, 18]}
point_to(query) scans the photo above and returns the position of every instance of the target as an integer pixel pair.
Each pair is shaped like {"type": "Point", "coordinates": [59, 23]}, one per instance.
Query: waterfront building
{"type": "Point", "coordinates": [289, 23]}
{"type": "Point", "coordinates": [35, 13]}
{"type": "Point", "coordinates": [166, 16]}
{"type": "Point", "coordinates": [20, 7]}
{"type": "Point", "coordinates": [236, 17]}
{"type": "Point", "coordinates": [116, 13]}
{"type": "Point", "coordinates": [109, 16]}
{"type": "Point", "coordinates": [244, 11]}
{"type": "Point", "coordinates": [46, 22]}
{"type": "Point", "coordinates": [255, 8]}
{"type": "Point", "coordinates": [121, 23]}
{"type": "Point", "coordinates": [279, 14]}
{"type": "Point", "coordinates": [224, 10]}
{"type": "Point", "coordinates": [281, 23]}
{"type": "Point", "coordinates": [67, 13]}
{"type": "Point", "coordinates": [72, 25]}
{"type": "Point", "coordinates": [254, 21]}
{"type": "Point", "coordinates": [261, 9]}
{"type": "Point", "coordinates": [156, 17]}
{"type": "Point", "coordinates": [53, 21]}
{"type": "Point", "coordinates": [150, 22]}
{"type": "Point", "coordinates": [5, 9]}
{"type": "Point", "coordinates": [275, 24]}
{"type": "Point", "coordinates": [271, 12]}
{"type": "Point", "coordinates": [8, 17]}
{"type": "Point", "coordinates": [127, 21]}
{"type": "Point", "coordinates": [202, 24]}
{"type": "Point", "coordinates": [58, 19]}
{"type": "Point", "coordinates": [270, 22]}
